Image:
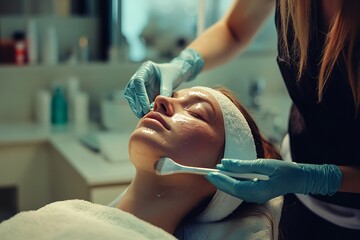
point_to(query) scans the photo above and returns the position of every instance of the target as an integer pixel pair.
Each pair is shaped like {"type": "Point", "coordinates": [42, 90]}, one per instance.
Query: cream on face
{"type": "Point", "coordinates": [187, 127]}
{"type": "Point", "coordinates": [197, 105]}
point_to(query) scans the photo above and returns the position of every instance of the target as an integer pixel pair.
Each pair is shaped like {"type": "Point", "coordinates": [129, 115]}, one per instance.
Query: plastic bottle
{"type": "Point", "coordinates": [59, 107]}
{"type": "Point", "coordinates": [81, 111]}
{"type": "Point", "coordinates": [43, 108]}
{"type": "Point", "coordinates": [20, 48]}
{"type": "Point", "coordinates": [32, 42]}
{"type": "Point", "coordinates": [72, 89]}
{"type": "Point", "coordinates": [50, 48]}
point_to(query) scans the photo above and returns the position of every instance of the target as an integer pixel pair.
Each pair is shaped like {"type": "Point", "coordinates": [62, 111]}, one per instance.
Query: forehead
{"type": "Point", "coordinates": [192, 91]}
{"type": "Point", "coordinates": [198, 94]}
{"type": "Point", "coordinates": [201, 95]}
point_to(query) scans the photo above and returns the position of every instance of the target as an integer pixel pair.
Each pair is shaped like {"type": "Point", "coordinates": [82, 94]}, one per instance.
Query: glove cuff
{"type": "Point", "coordinates": [191, 64]}
{"type": "Point", "coordinates": [322, 179]}
{"type": "Point", "coordinates": [334, 179]}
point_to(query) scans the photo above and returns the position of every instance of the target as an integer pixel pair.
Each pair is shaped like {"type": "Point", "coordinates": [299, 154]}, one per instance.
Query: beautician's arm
{"type": "Point", "coordinates": [351, 179]}
{"type": "Point", "coordinates": [233, 32]}
{"type": "Point", "coordinates": [214, 47]}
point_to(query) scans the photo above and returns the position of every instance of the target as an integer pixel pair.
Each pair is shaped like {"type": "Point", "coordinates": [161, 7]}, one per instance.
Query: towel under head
{"type": "Point", "coordinates": [239, 144]}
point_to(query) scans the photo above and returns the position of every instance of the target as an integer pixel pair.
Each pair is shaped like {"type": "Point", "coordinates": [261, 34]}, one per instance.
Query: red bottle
{"type": "Point", "coordinates": [20, 48]}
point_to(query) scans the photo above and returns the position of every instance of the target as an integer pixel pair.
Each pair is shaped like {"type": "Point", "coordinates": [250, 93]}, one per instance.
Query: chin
{"type": "Point", "coordinates": [145, 150]}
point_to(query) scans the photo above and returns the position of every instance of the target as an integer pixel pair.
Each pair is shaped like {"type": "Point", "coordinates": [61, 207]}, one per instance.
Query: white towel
{"type": "Point", "coordinates": [239, 144]}
{"type": "Point", "coordinates": [238, 226]}
{"type": "Point", "coordinates": [78, 219]}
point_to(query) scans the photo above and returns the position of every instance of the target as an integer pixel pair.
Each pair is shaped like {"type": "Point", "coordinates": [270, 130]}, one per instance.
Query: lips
{"type": "Point", "coordinates": [157, 116]}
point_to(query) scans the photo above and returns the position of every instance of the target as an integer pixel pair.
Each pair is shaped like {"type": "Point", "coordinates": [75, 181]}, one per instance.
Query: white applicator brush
{"type": "Point", "coordinates": [166, 166]}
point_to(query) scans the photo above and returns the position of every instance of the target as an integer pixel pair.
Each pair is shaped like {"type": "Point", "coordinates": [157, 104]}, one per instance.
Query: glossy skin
{"type": "Point", "coordinates": [187, 127]}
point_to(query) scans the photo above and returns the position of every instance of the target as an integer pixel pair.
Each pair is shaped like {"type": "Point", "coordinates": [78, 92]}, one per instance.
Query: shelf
{"type": "Point", "coordinates": [64, 66]}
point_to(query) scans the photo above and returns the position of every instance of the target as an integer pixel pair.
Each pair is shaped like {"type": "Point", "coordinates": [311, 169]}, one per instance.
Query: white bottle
{"type": "Point", "coordinates": [81, 111]}
{"type": "Point", "coordinates": [50, 51]}
{"type": "Point", "coordinates": [32, 42]}
{"type": "Point", "coordinates": [72, 89]}
{"type": "Point", "coordinates": [43, 108]}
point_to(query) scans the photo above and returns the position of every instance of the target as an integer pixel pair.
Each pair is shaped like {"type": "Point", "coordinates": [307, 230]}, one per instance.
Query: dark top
{"type": "Point", "coordinates": [325, 132]}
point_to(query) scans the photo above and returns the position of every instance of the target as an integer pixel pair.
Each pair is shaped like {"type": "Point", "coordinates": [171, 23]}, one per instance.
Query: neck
{"type": "Point", "coordinates": [152, 200]}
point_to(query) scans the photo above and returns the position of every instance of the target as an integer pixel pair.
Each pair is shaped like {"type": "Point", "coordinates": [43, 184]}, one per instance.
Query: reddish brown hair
{"type": "Point", "coordinates": [341, 41]}
{"type": "Point", "coordinates": [264, 148]}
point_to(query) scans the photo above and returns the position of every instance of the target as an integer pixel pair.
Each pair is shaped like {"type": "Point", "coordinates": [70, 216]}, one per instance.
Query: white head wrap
{"type": "Point", "coordinates": [239, 144]}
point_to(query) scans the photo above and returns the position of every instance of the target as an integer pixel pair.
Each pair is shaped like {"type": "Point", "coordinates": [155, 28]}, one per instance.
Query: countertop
{"type": "Point", "coordinates": [92, 166]}
{"type": "Point", "coordinates": [22, 133]}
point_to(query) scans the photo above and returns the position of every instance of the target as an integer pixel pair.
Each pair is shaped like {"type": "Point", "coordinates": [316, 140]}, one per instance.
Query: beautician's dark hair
{"type": "Point", "coordinates": [264, 148]}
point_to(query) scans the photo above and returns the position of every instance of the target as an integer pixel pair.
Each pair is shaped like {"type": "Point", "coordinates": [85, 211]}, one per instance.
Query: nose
{"type": "Point", "coordinates": [164, 105]}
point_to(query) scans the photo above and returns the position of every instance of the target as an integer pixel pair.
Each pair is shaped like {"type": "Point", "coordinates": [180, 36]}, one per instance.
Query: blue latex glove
{"type": "Point", "coordinates": [285, 177]}
{"type": "Point", "coordinates": [152, 79]}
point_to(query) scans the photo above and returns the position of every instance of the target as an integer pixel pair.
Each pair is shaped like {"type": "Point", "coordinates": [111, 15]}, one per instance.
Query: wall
{"type": "Point", "coordinates": [18, 85]}
{"type": "Point", "coordinates": [239, 73]}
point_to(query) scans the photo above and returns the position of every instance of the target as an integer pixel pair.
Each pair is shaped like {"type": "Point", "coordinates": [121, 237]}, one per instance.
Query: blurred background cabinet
{"type": "Point", "coordinates": [115, 30]}
{"type": "Point", "coordinates": [80, 25]}
{"type": "Point", "coordinates": [38, 167]}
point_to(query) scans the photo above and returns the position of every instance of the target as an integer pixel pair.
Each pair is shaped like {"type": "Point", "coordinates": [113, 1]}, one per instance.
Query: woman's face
{"type": "Point", "coordinates": [187, 127]}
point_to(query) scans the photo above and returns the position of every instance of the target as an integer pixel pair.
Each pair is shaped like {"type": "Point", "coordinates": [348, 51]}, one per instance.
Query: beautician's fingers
{"type": "Point", "coordinates": [152, 79]}
{"type": "Point", "coordinates": [142, 94]}
{"type": "Point", "coordinates": [137, 98]}
{"type": "Point", "coordinates": [133, 100]}
{"type": "Point", "coordinates": [250, 191]}
{"type": "Point", "coordinates": [222, 182]}
{"type": "Point", "coordinates": [285, 177]}
{"type": "Point", "coordinates": [141, 88]}
{"type": "Point", "coordinates": [262, 166]}
{"type": "Point", "coordinates": [169, 74]}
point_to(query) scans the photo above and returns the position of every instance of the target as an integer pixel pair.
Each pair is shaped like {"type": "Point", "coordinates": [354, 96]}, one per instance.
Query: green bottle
{"type": "Point", "coordinates": [59, 107]}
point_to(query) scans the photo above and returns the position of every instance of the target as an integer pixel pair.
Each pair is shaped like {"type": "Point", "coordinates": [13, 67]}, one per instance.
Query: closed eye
{"type": "Point", "coordinates": [196, 106]}
{"type": "Point", "coordinates": [197, 115]}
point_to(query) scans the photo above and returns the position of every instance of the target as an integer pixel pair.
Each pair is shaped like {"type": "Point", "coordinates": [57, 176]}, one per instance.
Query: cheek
{"type": "Point", "coordinates": [198, 145]}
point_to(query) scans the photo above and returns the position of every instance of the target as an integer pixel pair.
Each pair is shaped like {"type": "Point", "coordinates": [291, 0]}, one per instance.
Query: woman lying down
{"type": "Point", "coordinates": [197, 127]}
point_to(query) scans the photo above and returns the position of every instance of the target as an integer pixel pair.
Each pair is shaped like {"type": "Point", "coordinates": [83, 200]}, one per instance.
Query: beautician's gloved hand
{"type": "Point", "coordinates": [152, 79]}
{"type": "Point", "coordinates": [285, 177]}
